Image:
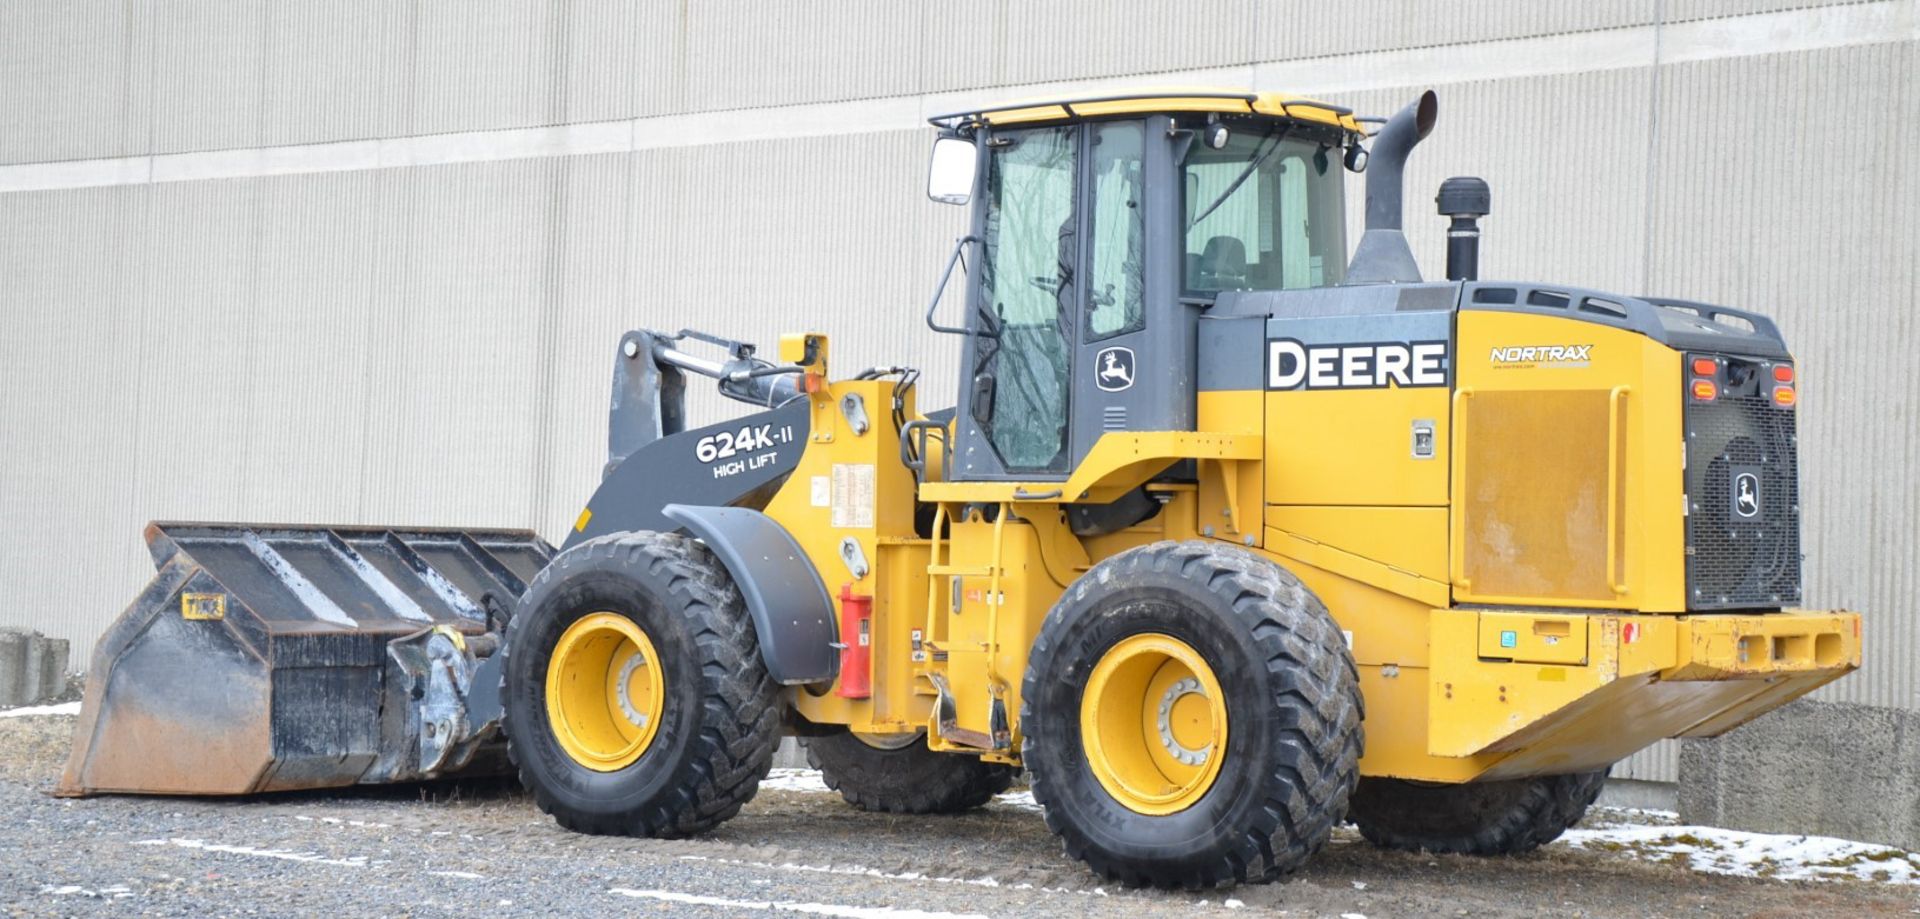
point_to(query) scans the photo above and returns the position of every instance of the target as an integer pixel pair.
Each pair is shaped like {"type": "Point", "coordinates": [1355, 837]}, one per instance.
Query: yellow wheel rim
{"type": "Point", "coordinates": [604, 692]}
{"type": "Point", "coordinates": [1154, 724]}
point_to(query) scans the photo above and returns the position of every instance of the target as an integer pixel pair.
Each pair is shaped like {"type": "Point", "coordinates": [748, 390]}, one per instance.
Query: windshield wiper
{"type": "Point", "coordinates": [1252, 165]}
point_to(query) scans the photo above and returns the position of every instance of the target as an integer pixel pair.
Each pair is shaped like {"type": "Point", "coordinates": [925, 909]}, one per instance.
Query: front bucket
{"type": "Point", "coordinates": [270, 658]}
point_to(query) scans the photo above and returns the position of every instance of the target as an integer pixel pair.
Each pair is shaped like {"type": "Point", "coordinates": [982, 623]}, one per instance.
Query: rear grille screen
{"type": "Point", "coordinates": [1743, 492]}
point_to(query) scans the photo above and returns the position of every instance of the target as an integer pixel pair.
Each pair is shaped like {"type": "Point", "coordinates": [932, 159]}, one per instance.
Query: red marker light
{"type": "Point", "coordinates": [1784, 396]}
{"type": "Point", "coordinates": [1705, 366]}
{"type": "Point", "coordinates": [1783, 373]}
{"type": "Point", "coordinates": [1704, 390]}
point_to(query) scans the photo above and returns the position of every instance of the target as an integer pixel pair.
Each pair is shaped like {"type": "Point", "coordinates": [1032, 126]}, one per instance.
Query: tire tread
{"type": "Point", "coordinates": [734, 747]}
{"type": "Point", "coordinates": [1534, 812]}
{"type": "Point", "coordinates": [1315, 682]}
{"type": "Point", "coordinates": [912, 780]}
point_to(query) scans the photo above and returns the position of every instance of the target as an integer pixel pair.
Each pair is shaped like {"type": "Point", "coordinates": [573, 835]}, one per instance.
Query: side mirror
{"type": "Point", "coordinates": [950, 170]}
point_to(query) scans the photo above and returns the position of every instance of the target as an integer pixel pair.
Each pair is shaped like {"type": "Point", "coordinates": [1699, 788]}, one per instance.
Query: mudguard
{"type": "Point", "coordinates": [792, 612]}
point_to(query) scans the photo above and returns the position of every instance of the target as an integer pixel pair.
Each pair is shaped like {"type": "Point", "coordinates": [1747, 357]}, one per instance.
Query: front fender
{"type": "Point", "coordinates": [792, 611]}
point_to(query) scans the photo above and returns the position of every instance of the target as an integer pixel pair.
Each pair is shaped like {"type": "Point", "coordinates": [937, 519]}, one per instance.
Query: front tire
{"type": "Point", "coordinates": [1192, 717]}
{"type": "Point", "coordinates": [636, 700]}
{"type": "Point", "coordinates": [905, 778]}
{"type": "Point", "coordinates": [1481, 818]}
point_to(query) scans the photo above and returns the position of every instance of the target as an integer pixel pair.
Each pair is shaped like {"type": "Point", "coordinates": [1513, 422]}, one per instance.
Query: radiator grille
{"type": "Point", "coordinates": [1743, 493]}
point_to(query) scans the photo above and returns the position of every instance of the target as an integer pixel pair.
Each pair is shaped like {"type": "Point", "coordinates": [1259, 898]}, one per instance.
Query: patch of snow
{"type": "Point", "coordinates": [1020, 799]}
{"type": "Point", "coordinates": [810, 780]}
{"type": "Point", "coordinates": [64, 708]}
{"type": "Point", "coordinates": [1235, 904]}
{"type": "Point", "coordinates": [463, 875]}
{"type": "Point", "coordinates": [352, 861]}
{"type": "Point", "coordinates": [813, 909]}
{"type": "Point", "coordinates": [794, 780]}
{"type": "Point", "coordinates": [1713, 850]}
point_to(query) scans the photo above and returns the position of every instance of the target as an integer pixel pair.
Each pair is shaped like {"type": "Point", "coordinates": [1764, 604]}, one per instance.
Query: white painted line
{"type": "Point", "coordinates": [1544, 55]}
{"type": "Point", "coordinates": [312, 858]}
{"type": "Point", "coordinates": [117, 891]}
{"type": "Point", "coordinates": [63, 708]}
{"type": "Point", "coordinates": [1610, 49]}
{"type": "Point", "coordinates": [858, 871]}
{"type": "Point", "coordinates": [812, 909]}
{"type": "Point", "coordinates": [365, 824]}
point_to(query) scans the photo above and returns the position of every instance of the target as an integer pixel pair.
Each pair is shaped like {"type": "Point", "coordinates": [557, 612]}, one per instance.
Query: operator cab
{"type": "Point", "coordinates": [1101, 229]}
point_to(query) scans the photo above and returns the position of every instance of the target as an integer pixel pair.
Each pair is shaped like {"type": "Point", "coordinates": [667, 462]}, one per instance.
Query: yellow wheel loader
{"type": "Point", "coordinates": [1231, 535]}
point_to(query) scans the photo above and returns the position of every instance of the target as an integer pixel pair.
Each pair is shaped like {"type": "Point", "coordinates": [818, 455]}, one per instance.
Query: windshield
{"type": "Point", "coordinates": [1264, 212]}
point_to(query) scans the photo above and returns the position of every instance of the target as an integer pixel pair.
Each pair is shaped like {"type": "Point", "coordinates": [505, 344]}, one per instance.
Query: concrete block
{"type": "Point", "coordinates": [1640, 795]}
{"type": "Point", "coordinates": [53, 670]}
{"type": "Point", "coordinates": [13, 667]}
{"type": "Point", "coordinates": [33, 667]}
{"type": "Point", "coordinates": [790, 755]}
{"type": "Point", "coordinates": [1817, 768]}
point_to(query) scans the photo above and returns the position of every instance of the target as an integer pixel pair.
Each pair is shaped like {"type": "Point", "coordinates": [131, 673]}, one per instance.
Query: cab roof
{"type": "Point", "coordinates": [1158, 100]}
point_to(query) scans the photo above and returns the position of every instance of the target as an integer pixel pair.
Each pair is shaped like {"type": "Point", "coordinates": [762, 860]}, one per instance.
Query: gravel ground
{"type": "Point", "coordinates": [481, 848]}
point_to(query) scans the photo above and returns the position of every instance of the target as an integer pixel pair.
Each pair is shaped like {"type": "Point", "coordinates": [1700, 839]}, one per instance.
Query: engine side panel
{"type": "Point", "coordinates": [1567, 465]}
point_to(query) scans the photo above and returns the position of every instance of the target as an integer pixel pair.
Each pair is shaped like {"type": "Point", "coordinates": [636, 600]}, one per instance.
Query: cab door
{"type": "Point", "coordinates": [1016, 393]}
{"type": "Point", "coordinates": [1122, 376]}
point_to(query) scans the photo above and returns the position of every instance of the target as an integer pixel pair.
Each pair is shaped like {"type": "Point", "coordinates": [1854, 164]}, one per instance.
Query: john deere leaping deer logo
{"type": "Point", "coordinates": [1113, 369]}
{"type": "Point", "coordinates": [1746, 494]}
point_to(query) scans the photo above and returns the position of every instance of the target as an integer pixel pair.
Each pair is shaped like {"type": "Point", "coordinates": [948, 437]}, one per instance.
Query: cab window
{"type": "Point", "coordinates": [1027, 289]}
{"type": "Point", "coordinates": [1116, 297]}
{"type": "Point", "coordinates": [1264, 212]}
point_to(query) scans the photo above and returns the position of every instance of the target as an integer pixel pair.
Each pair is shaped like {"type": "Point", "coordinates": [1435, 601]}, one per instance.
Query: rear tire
{"type": "Point", "coordinates": [706, 737]}
{"type": "Point", "coordinates": [1178, 798]}
{"type": "Point", "coordinates": [1482, 818]}
{"type": "Point", "coordinates": [909, 779]}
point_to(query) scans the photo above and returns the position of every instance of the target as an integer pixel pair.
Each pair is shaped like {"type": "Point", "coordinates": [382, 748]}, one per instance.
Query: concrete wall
{"type": "Point", "coordinates": [365, 261]}
{"type": "Point", "coordinates": [1777, 775]}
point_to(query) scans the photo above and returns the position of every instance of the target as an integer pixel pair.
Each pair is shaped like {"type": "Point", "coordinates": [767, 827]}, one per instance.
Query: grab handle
{"type": "Point", "coordinates": [1457, 550]}
{"type": "Point", "coordinates": [1616, 488]}
{"type": "Point", "coordinates": [959, 247]}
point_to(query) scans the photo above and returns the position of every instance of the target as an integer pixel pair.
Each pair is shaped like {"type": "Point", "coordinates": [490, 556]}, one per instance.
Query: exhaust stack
{"type": "Point", "coordinates": [1383, 256]}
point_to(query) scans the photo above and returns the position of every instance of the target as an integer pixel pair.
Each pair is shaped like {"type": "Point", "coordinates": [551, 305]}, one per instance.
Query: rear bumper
{"type": "Point", "coordinates": [1552, 692]}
